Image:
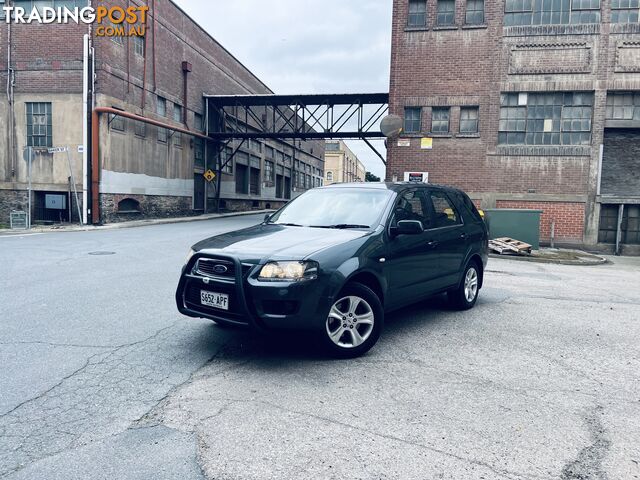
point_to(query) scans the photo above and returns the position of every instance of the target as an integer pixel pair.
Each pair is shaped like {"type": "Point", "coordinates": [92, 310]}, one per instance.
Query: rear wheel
{"type": "Point", "coordinates": [354, 322]}
{"type": "Point", "coordinates": [465, 296]}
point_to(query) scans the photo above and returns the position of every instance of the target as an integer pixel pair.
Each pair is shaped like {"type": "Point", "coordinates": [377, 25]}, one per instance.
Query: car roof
{"type": "Point", "coordinates": [394, 186]}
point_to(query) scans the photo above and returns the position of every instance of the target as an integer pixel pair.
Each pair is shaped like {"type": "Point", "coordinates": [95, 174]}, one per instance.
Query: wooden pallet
{"type": "Point", "coordinates": [506, 245]}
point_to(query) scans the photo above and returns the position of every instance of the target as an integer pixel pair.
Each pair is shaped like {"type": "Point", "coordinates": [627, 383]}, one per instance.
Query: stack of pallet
{"type": "Point", "coordinates": [509, 246]}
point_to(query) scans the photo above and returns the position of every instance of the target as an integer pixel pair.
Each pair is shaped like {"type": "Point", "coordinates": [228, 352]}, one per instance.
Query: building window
{"type": "Point", "coordinates": [177, 112]}
{"type": "Point", "coordinates": [417, 13]}
{"type": "Point", "coordinates": [329, 176]}
{"type": "Point", "coordinates": [625, 11]}
{"type": "Point", "coordinates": [177, 117]}
{"type": "Point", "coordinates": [270, 152]}
{"type": "Point", "coordinates": [227, 164]}
{"type": "Point", "coordinates": [39, 129]}
{"type": "Point", "coordinates": [2, 15]}
{"type": "Point", "coordinates": [116, 122]}
{"type": "Point", "coordinates": [255, 146]}
{"type": "Point", "coordinates": [475, 12]}
{"type": "Point", "coordinates": [138, 46]}
{"type": "Point", "coordinates": [268, 171]}
{"type": "Point", "coordinates": [412, 119]}
{"type": "Point", "coordinates": [161, 107]}
{"type": "Point", "coordinates": [446, 12]}
{"type": "Point", "coordinates": [197, 122]}
{"type": "Point", "coordinates": [562, 118]}
{"type": "Point", "coordinates": [140, 129]}
{"type": "Point", "coordinates": [469, 120]}
{"type": "Point", "coordinates": [116, 38]}
{"type": "Point", "coordinates": [162, 135]}
{"type": "Point", "coordinates": [551, 12]}
{"type": "Point", "coordinates": [623, 106]}
{"type": "Point", "coordinates": [440, 120]}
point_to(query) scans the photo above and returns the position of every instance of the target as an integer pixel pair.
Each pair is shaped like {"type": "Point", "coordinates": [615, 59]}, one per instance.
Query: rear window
{"type": "Point", "coordinates": [468, 205]}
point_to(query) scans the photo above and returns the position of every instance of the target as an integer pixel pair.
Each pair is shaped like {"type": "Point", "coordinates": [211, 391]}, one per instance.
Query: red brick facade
{"type": "Point", "coordinates": [568, 218]}
{"type": "Point", "coordinates": [465, 65]}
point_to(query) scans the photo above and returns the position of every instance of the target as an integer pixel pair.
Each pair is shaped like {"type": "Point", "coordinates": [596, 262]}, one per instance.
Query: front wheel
{"type": "Point", "coordinates": [465, 296]}
{"type": "Point", "coordinates": [354, 322]}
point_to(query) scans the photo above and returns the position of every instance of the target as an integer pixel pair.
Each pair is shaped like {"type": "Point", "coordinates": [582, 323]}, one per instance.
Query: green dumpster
{"type": "Point", "coordinates": [519, 224]}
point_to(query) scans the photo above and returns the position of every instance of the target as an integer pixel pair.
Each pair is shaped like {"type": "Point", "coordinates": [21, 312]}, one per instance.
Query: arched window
{"type": "Point", "coordinates": [128, 205]}
{"type": "Point", "coordinates": [329, 176]}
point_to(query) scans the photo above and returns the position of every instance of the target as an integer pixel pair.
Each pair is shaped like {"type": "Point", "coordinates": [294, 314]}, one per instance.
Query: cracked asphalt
{"type": "Point", "coordinates": [102, 378]}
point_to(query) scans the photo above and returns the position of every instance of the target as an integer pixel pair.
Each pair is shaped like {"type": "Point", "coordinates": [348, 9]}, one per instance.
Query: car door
{"type": "Point", "coordinates": [411, 264]}
{"type": "Point", "coordinates": [449, 236]}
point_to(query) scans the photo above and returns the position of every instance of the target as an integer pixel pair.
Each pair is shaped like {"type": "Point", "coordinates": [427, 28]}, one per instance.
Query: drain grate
{"type": "Point", "coordinates": [102, 253]}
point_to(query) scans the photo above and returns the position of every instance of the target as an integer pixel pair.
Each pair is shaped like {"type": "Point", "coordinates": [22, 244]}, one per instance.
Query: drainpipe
{"type": "Point", "coordinates": [95, 146]}
{"type": "Point", "coordinates": [85, 126]}
{"type": "Point", "coordinates": [186, 68]}
{"type": "Point", "coordinates": [10, 111]}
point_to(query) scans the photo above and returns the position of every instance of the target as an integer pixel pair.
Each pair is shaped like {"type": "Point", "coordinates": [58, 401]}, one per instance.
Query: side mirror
{"type": "Point", "coordinates": [266, 218]}
{"type": "Point", "coordinates": [409, 227]}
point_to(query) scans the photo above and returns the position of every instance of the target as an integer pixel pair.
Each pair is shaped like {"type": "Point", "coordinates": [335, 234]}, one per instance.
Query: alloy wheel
{"type": "Point", "coordinates": [471, 284]}
{"type": "Point", "coordinates": [350, 322]}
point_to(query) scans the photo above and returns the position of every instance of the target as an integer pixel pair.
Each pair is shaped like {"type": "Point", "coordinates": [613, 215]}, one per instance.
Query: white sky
{"type": "Point", "coordinates": [307, 46]}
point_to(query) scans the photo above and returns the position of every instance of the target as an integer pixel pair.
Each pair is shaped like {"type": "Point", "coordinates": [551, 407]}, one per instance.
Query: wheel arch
{"type": "Point", "coordinates": [368, 279]}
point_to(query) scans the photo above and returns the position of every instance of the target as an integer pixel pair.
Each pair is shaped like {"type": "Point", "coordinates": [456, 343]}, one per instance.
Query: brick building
{"type": "Point", "coordinates": [145, 169]}
{"type": "Point", "coordinates": [341, 165]}
{"type": "Point", "coordinates": [529, 104]}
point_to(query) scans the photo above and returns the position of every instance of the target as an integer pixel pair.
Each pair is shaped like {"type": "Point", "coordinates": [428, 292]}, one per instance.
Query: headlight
{"type": "Point", "coordinates": [288, 271]}
{"type": "Point", "coordinates": [189, 255]}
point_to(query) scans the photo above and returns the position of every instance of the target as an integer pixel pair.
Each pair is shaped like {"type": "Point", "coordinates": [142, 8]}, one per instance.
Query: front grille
{"type": "Point", "coordinates": [213, 267]}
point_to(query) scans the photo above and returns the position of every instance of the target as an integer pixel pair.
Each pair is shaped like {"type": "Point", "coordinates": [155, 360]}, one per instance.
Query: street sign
{"type": "Point", "coordinates": [417, 177]}
{"type": "Point", "coordinates": [58, 149]}
{"type": "Point", "coordinates": [209, 175]}
{"type": "Point", "coordinates": [426, 143]}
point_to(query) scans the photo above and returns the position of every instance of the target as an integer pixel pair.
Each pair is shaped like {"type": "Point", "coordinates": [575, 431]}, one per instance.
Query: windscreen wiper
{"type": "Point", "coordinates": [342, 226]}
{"type": "Point", "coordinates": [285, 224]}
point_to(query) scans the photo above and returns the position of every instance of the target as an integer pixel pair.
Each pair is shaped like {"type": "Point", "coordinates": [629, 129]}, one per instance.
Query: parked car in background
{"type": "Point", "coordinates": [338, 258]}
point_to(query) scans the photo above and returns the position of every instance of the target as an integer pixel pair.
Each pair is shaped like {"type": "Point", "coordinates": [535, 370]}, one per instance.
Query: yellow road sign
{"type": "Point", "coordinates": [209, 175]}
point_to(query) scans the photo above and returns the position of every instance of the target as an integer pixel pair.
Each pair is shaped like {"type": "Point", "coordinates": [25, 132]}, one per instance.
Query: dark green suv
{"type": "Point", "coordinates": [337, 258]}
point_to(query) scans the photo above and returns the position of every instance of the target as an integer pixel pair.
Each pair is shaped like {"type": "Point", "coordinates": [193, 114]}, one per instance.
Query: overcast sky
{"type": "Point", "coordinates": [307, 46]}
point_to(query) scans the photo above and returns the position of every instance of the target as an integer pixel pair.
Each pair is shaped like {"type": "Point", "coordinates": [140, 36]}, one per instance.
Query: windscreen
{"type": "Point", "coordinates": [335, 207]}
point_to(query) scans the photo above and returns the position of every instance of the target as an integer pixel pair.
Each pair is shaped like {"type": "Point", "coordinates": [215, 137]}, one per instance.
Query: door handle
{"type": "Point", "coordinates": [433, 244]}
{"type": "Point", "coordinates": [463, 236]}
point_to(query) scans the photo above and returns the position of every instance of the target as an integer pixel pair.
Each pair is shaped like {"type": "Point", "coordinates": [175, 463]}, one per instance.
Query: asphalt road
{"type": "Point", "coordinates": [102, 378]}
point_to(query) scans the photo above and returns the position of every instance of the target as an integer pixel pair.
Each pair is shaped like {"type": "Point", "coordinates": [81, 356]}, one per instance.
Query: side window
{"type": "Point", "coordinates": [445, 214]}
{"type": "Point", "coordinates": [412, 206]}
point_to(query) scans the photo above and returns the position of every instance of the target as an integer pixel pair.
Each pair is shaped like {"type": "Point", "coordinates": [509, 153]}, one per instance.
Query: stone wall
{"type": "Point", "coordinates": [150, 206]}
{"type": "Point", "coordinates": [12, 200]}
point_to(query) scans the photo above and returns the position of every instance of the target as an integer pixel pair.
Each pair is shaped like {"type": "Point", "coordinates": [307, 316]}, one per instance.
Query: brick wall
{"type": "Point", "coordinates": [568, 218]}
{"type": "Point", "coordinates": [466, 65]}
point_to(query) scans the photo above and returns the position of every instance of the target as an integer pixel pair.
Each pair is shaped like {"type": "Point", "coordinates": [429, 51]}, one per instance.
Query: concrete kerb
{"type": "Point", "coordinates": [132, 224]}
{"type": "Point", "coordinates": [550, 256]}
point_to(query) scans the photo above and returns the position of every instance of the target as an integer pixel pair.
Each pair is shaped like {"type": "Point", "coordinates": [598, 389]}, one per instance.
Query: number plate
{"type": "Point", "coordinates": [215, 300]}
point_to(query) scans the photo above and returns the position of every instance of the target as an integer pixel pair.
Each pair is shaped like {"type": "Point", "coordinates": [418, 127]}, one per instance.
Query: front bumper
{"type": "Point", "coordinates": [253, 303]}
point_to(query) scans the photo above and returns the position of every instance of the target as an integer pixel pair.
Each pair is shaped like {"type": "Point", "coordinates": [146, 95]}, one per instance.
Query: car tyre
{"type": "Point", "coordinates": [466, 295]}
{"type": "Point", "coordinates": [354, 322]}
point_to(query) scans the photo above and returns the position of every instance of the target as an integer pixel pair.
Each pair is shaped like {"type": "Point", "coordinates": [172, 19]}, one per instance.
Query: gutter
{"type": "Point", "coordinates": [95, 146]}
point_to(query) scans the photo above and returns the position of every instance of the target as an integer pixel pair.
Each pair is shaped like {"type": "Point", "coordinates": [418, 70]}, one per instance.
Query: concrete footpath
{"type": "Point", "coordinates": [130, 224]}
